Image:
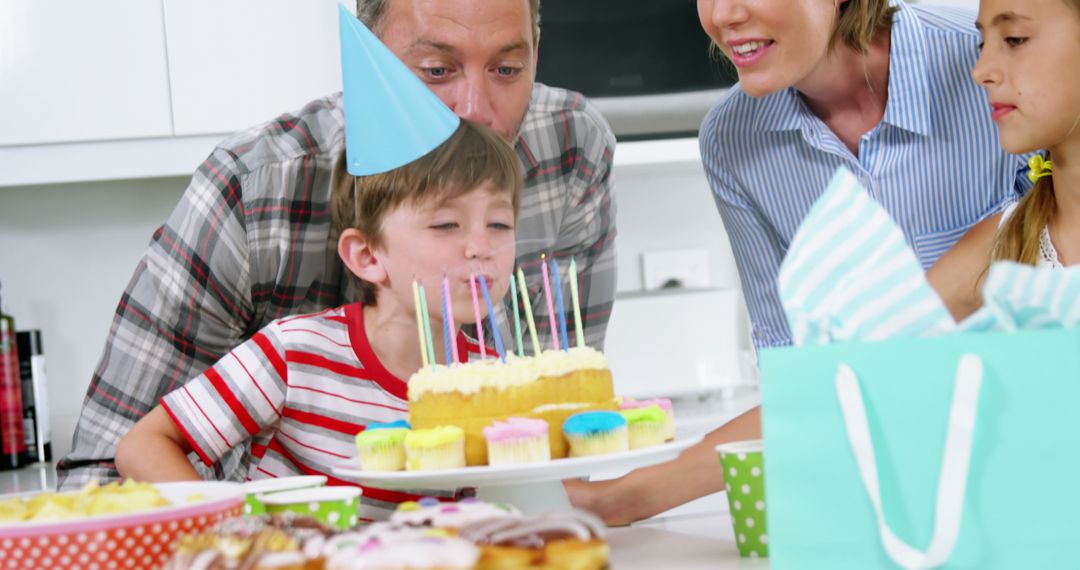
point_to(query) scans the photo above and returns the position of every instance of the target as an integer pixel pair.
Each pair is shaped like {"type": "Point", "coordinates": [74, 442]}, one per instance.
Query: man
{"type": "Point", "coordinates": [251, 239]}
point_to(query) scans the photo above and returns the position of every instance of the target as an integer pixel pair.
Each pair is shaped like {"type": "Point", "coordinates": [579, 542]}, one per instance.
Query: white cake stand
{"type": "Point", "coordinates": [534, 489]}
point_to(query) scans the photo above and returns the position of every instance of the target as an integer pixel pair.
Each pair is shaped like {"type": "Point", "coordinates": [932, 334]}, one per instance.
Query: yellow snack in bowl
{"type": "Point", "coordinates": [92, 500]}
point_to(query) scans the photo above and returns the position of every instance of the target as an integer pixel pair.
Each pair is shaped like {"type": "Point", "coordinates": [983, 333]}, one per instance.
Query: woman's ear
{"type": "Point", "coordinates": [358, 254]}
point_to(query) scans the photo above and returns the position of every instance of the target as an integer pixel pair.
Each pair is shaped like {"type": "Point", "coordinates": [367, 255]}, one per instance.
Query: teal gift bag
{"type": "Point", "coordinates": [958, 451]}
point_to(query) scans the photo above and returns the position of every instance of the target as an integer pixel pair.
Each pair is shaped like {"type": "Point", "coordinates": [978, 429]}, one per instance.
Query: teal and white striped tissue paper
{"type": "Point", "coordinates": [849, 274]}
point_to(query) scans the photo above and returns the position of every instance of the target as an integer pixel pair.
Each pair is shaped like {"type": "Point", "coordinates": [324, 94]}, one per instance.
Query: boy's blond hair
{"type": "Point", "coordinates": [473, 155]}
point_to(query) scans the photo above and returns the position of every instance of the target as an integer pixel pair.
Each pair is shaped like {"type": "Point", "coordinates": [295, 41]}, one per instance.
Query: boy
{"type": "Point", "coordinates": [302, 387]}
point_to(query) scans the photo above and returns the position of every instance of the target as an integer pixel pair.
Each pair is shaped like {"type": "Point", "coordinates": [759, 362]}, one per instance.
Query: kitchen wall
{"type": "Point", "coordinates": [67, 251]}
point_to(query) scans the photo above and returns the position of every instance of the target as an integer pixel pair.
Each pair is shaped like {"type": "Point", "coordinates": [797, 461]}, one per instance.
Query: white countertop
{"type": "Point", "coordinates": [696, 535]}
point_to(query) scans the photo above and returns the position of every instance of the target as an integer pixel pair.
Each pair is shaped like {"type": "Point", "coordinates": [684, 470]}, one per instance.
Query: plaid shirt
{"type": "Point", "coordinates": [252, 241]}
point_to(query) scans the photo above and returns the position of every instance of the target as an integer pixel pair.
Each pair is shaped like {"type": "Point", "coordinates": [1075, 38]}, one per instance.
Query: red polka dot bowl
{"type": "Point", "coordinates": [139, 540]}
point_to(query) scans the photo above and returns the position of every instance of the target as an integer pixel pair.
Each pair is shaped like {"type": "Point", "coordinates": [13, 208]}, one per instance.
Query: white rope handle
{"type": "Point", "coordinates": [954, 468]}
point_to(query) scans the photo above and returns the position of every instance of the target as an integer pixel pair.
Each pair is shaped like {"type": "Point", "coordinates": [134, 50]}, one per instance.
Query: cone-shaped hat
{"type": "Point", "coordinates": [391, 117]}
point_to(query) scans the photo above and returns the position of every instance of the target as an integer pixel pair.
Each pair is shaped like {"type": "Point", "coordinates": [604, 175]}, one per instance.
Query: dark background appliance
{"type": "Point", "coordinates": [646, 64]}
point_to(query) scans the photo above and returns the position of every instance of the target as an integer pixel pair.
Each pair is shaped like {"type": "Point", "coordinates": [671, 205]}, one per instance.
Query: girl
{"type": "Point", "coordinates": [1028, 50]}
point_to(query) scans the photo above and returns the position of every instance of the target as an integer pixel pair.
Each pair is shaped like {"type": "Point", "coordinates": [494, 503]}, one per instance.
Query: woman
{"type": "Point", "coordinates": [881, 88]}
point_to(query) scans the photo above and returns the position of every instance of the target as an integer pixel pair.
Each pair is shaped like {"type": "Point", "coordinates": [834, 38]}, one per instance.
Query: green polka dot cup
{"type": "Point", "coordinates": [745, 478]}
{"type": "Point", "coordinates": [335, 506]}
{"type": "Point", "coordinates": [253, 507]}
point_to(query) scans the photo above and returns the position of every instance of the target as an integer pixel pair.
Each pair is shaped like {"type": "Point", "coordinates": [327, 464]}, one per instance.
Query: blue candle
{"type": "Point", "coordinates": [491, 317]}
{"type": "Point", "coordinates": [447, 316]}
{"type": "Point", "coordinates": [557, 284]}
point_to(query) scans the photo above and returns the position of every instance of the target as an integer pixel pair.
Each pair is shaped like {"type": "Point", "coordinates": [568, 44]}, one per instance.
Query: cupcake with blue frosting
{"type": "Point", "coordinates": [596, 433]}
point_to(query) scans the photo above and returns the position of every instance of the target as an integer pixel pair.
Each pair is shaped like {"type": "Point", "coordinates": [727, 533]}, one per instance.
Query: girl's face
{"type": "Point", "coordinates": [470, 234]}
{"type": "Point", "coordinates": [1029, 56]}
{"type": "Point", "coordinates": [774, 44]}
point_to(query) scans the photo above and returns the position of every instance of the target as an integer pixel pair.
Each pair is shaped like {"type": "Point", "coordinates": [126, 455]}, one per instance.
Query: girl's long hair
{"type": "Point", "coordinates": [1018, 239]}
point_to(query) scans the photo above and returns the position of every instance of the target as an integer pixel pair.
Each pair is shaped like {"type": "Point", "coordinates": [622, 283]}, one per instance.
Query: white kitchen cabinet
{"type": "Point", "coordinates": [72, 70]}
{"type": "Point", "coordinates": [236, 63]}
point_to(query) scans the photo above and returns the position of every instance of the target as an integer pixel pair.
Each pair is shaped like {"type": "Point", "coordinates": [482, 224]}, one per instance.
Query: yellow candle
{"type": "Point", "coordinates": [577, 305]}
{"type": "Point", "coordinates": [528, 310]}
{"type": "Point", "coordinates": [420, 323]}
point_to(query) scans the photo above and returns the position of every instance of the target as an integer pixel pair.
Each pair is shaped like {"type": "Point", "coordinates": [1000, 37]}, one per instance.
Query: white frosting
{"type": "Point", "coordinates": [390, 546]}
{"type": "Point", "coordinates": [472, 377]}
{"type": "Point", "coordinates": [454, 515]}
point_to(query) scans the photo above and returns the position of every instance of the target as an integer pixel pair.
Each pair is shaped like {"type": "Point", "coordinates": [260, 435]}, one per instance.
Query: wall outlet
{"type": "Point", "coordinates": [685, 268]}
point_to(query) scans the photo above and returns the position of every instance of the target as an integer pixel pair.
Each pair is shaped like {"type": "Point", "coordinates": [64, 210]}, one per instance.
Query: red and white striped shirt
{"type": "Point", "coordinates": [301, 389]}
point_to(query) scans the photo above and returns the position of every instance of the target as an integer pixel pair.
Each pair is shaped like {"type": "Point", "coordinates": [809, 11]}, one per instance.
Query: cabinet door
{"type": "Point", "coordinates": [72, 70]}
{"type": "Point", "coordinates": [237, 63]}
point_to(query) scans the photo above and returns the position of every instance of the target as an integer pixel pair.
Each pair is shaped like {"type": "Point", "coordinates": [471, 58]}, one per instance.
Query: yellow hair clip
{"type": "Point", "coordinates": [1039, 168]}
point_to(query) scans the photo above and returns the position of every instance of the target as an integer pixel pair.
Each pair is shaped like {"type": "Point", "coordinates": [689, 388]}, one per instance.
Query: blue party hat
{"type": "Point", "coordinates": [391, 117]}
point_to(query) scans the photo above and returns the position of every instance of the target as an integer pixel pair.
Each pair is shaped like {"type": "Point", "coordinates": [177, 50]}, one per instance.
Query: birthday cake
{"type": "Point", "coordinates": [551, 386]}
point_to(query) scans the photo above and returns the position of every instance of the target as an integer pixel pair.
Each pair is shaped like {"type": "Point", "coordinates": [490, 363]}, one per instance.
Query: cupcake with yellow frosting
{"type": "Point", "coordinates": [440, 447]}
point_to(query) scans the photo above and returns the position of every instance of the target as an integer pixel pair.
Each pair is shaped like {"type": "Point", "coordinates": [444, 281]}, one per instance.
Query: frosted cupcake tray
{"type": "Point", "coordinates": [533, 488]}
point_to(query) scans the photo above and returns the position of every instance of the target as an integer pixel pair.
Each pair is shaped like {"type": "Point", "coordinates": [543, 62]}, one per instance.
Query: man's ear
{"type": "Point", "coordinates": [358, 254]}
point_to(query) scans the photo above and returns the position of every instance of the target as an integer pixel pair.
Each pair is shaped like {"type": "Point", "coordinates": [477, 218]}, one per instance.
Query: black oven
{"type": "Point", "coordinates": [645, 63]}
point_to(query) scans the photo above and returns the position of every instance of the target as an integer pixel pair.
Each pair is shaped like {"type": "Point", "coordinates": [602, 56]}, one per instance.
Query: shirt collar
{"type": "Point", "coordinates": [908, 106]}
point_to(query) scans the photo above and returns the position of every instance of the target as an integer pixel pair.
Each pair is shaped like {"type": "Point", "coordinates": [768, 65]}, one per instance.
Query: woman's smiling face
{"type": "Point", "coordinates": [774, 44]}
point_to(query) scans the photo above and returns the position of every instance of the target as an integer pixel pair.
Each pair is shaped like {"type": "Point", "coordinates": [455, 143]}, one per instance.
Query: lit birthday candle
{"type": "Point", "coordinates": [550, 307]}
{"type": "Point", "coordinates": [517, 315]}
{"type": "Point", "coordinates": [578, 329]}
{"type": "Point", "coordinates": [427, 329]}
{"type": "Point", "coordinates": [491, 317]}
{"type": "Point", "coordinates": [528, 310]}
{"type": "Point", "coordinates": [449, 327]}
{"type": "Point", "coordinates": [476, 312]}
{"type": "Point", "coordinates": [557, 281]}
{"type": "Point", "coordinates": [420, 323]}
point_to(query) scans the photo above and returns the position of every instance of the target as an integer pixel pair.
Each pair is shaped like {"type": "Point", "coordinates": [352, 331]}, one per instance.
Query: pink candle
{"type": "Point", "coordinates": [550, 307]}
{"type": "Point", "coordinates": [479, 321]}
{"type": "Point", "coordinates": [450, 329]}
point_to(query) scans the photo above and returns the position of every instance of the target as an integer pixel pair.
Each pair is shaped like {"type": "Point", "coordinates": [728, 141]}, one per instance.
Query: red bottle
{"type": "Point", "coordinates": [12, 437]}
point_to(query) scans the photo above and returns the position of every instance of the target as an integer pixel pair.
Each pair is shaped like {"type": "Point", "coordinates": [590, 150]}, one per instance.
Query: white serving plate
{"type": "Point", "coordinates": [533, 488]}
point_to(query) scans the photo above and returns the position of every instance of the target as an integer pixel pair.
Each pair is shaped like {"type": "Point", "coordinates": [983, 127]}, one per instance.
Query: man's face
{"type": "Point", "coordinates": [478, 56]}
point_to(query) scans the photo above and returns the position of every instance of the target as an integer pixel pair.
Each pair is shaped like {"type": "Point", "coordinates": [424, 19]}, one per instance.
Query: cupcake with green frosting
{"type": "Point", "coordinates": [646, 426]}
{"type": "Point", "coordinates": [440, 447]}
{"type": "Point", "coordinates": [382, 447]}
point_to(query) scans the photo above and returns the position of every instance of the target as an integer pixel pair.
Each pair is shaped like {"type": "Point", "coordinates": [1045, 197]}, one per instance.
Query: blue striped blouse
{"type": "Point", "coordinates": [934, 162]}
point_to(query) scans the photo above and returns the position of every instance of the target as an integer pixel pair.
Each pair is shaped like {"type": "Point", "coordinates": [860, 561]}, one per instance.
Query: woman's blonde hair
{"type": "Point", "coordinates": [860, 21]}
{"type": "Point", "coordinates": [472, 156]}
{"type": "Point", "coordinates": [1019, 237]}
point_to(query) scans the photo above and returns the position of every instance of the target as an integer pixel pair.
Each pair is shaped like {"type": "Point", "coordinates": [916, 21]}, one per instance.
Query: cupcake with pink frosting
{"type": "Point", "coordinates": [663, 403]}
{"type": "Point", "coordinates": [518, 441]}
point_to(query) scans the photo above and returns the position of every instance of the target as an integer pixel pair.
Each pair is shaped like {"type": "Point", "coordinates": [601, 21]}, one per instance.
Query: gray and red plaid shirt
{"type": "Point", "coordinates": [252, 241]}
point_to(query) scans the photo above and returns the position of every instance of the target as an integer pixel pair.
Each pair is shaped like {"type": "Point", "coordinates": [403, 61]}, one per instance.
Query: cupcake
{"type": "Point", "coordinates": [430, 512]}
{"type": "Point", "coordinates": [665, 405]}
{"type": "Point", "coordinates": [441, 447]}
{"type": "Point", "coordinates": [645, 426]}
{"type": "Point", "coordinates": [518, 441]}
{"type": "Point", "coordinates": [595, 433]}
{"type": "Point", "coordinates": [385, 546]}
{"type": "Point", "coordinates": [381, 448]}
